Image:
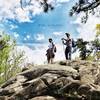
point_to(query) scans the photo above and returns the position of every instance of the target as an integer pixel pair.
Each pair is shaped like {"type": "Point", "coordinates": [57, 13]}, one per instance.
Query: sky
{"type": "Point", "coordinates": [31, 27]}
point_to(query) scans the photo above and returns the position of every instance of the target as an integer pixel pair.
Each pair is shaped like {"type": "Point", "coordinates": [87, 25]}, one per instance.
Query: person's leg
{"type": "Point", "coordinates": [52, 57]}
{"type": "Point", "coordinates": [51, 60]}
{"type": "Point", "coordinates": [48, 59]}
{"type": "Point", "coordinates": [48, 56]}
{"type": "Point", "coordinates": [69, 54]}
{"type": "Point", "coordinates": [66, 53]}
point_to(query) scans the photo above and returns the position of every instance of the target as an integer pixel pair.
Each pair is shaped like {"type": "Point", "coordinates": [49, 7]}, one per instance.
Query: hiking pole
{"type": "Point", "coordinates": [63, 47]}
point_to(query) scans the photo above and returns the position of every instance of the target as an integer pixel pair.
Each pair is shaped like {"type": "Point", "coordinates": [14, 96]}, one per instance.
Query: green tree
{"type": "Point", "coordinates": [96, 42]}
{"type": "Point", "coordinates": [97, 30]}
{"type": "Point", "coordinates": [81, 45]}
{"type": "Point", "coordinates": [10, 58]}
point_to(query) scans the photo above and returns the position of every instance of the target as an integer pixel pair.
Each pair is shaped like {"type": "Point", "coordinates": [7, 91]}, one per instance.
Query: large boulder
{"type": "Point", "coordinates": [75, 80]}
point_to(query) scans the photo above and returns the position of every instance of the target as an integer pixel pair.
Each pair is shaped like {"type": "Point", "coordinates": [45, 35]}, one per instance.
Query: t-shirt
{"type": "Point", "coordinates": [50, 45]}
{"type": "Point", "coordinates": [69, 42]}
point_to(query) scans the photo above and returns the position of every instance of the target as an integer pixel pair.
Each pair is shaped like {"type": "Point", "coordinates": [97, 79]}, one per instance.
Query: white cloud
{"type": "Point", "coordinates": [87, 31]}
{"type": "Point", "coordinates": [39, 37]}
{"type": "Point", "coordinates": [25, 39]}
{"type": "Point", "coordinates": [90, 1]}
{"type": "Point", "coordinates": [38, 55]}
{"type": "Point", "coordinates": [7, 8]}
{"type": "Point", "coordinates": [28, 37]}
{"type": "Point", "coordinates": [13, 27]}
{"type": "Point", "coordinates": [22, 15]}
{"type": "Point", "coordinates": [11, 9]}
{"type": "Point", "coordinates": [79, 17]}
{"type": "Point", "coordinates": [51, 1]}
{"type": "Point", "coordinates": [57, 33]}
{"type": "Point", "coordinates": [61, 1]}
{"type": "Point", "coordinates": [16, 35]}
{"type": "Point", "coordinates": [36, 9]}
{"type": "Point", "coordinates": [33, 56]}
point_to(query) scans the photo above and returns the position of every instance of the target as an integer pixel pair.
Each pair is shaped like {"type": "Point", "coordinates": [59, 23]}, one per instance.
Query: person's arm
{"type": "Point", "coordinates": [64, 41]}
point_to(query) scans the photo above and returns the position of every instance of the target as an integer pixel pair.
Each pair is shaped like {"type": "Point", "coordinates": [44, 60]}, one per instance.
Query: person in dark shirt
{"type": "Point", "coordinates": [68, 42]}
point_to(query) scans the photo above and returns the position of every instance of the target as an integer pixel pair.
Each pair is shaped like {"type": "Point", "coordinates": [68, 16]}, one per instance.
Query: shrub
{"type": "Point", "coordinates": [10, 59]}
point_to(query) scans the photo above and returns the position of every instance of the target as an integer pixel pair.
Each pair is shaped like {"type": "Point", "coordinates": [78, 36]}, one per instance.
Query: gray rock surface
{"type": "Point", "coordinates": [72, 80]}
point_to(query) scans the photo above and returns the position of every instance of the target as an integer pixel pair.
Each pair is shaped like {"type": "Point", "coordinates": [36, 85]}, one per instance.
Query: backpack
{"type": "Point", "coordinates": [73, 43]}
{"type": "Point", "coordinates": [54, 48]}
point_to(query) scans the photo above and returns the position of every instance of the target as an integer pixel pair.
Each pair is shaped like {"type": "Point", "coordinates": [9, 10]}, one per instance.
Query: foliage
{"type": "Point", "coordinates": [85, 54]}
{"type": "Point", "coordinates": [98, 30]}
{"type": "Point", "coordinates": [81, 45]}
{"type": "Point", "coordinates": [10, 59]}
{"type": "Point", "coordinates": [96, 43]}
{"type": "Point", "coordinates": [85, 6]}
{"type": "Point", "coordinates": [43, 3]}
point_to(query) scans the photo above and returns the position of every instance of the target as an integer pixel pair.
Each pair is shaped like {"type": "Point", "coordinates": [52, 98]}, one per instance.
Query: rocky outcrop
{"type": "Point", "coordinates": [72, 80]}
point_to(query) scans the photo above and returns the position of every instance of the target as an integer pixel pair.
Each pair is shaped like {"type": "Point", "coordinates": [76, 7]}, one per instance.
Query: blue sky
{"type": "Point", "coordinates": [31, 27]}
{"type": "Point", "coordinates": [42, 26]}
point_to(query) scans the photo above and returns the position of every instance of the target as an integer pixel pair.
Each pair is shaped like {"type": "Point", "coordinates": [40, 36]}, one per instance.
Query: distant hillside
{"type": "Point", "coordinates": [72, 80]}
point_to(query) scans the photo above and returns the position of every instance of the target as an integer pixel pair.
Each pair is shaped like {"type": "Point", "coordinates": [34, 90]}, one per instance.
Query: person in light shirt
{"type": "Point", "coordinates": [51, 51]}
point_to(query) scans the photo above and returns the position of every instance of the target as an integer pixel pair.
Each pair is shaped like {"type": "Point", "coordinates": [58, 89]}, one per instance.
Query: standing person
{"type": "Point", "coordinates": [51, 51]}
{"type": "Point", "coordinates": [68, 43]}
